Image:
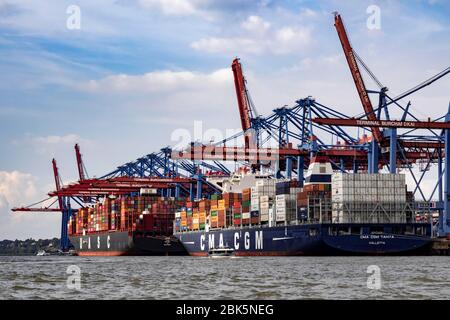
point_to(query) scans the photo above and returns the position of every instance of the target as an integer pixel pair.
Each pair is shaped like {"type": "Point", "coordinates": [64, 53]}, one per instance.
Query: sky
{"type": "Point", "coordinates": [135, 71]}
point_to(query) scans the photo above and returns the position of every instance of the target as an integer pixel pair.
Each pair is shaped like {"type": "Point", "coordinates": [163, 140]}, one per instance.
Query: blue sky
{"type": "Point", "coordinates": [137, 70]}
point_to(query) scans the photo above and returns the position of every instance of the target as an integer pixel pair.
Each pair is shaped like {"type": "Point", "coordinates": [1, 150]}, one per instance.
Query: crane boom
{"type": "Point", "coordinates": [356, 74]}
{"type": "Point", "coordinates": [81, 174]}
{"type": "Point", "coordinates": [26, 209]}
{"type": "Point", "coordinates": [242, 98]}
{"type": "Point", "coordinates": [57, 183]}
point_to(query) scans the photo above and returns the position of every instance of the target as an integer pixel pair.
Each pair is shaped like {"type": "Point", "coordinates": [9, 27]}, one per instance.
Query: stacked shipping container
{"type": "Point", "coordinates": [141, 213]}
{"type": "Point", "coordinates": [264, 194]}
{"type": "Point", "coordinates": [369, 197]}
{"type": "Point", "coordinates": [286, 201]}
{"type": "Point", "coordinates": [314, 203]}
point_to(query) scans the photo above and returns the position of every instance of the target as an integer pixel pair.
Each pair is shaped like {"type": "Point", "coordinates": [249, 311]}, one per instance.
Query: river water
{"type": "Point", "coordinates": [54, 277]}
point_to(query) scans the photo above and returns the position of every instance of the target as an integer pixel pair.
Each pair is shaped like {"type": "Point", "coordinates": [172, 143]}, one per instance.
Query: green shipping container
{"type": "Point", "coordinates": [215, 197]}
{"type": "Point", "coordinates": [237, 216]}
{"type": "Point", "coordinates": [213, 213]}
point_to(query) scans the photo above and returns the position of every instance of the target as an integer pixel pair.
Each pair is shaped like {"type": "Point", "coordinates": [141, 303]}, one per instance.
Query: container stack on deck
{"type": "Point", "coordinates": [263, 194]}
{"type": "Point", "coordinates": [138, 213]}
{"type": "Point", "coordinates": [349, 198]}
{"type": "Point", "coordinates": [314, 203]}
{"type": "Point", "coordinates": [370, 197]}
{"type": "Point", "coordinates": [286, 201]}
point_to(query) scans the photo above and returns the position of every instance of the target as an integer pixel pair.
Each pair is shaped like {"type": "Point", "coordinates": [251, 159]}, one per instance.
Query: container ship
{"type": "Point", "coordinates": [331, 214]}
{"type": "Point", "coordinates": [127, 225]}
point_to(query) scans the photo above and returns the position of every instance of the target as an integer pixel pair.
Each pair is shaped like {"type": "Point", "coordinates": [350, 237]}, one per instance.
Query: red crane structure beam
{"type": "Point", "coordinates": [242, 98]}
{"type": "Point", "coordinates": [422, 144]}
{"type": "Point", "coordinates": [262, 154]}
{"type": "Point", "coordinates": [80, 167]}
{"type": "Point", "coordinates": [356, 74]}
{"type": "Point", "coordinates": [235, 153]}
{"type": "Point", "coordinates": [26, 209]}
{"type": "Point", "coordinates": [57, 182]}
{"type": "Point", "coordinates": [119, 185]}
{"type": "Point", "coordinates": [383, 123]}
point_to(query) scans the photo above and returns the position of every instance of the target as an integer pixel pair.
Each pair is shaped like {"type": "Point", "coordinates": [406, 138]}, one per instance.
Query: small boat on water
{"type": "Point", "coordinates": [221, 252]}
{"type": "Point", "coordinates": [42, 253]}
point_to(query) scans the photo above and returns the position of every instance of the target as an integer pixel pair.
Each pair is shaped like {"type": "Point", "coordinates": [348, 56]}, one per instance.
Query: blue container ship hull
{"type": "Point", "coordinates": [313, 240]}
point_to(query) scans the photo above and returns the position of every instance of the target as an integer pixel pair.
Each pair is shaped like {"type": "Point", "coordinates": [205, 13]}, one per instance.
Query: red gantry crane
{"type": "Point", "coordinates": [417, 149]}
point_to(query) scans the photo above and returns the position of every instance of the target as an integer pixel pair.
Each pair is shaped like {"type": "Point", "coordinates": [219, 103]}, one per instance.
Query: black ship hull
{"type": "Point", "coordinates": [124, 243]}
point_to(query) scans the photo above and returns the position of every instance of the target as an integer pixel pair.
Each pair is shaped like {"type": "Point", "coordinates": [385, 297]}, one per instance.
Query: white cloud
{"type": "Point", "coordinates": [171, 7]}
{"type": "Point", "coordinates": [53, 140]}
{"type": "Point", "coordinates": [20, 189]}
{"type": "Point", "coordinates": [15, 187]}
{"type": "Point", "coordinates": [259, 37]}
{"type": "Point", "coordinates": [53, 145]}
{"type": "Point", "coordinates": [308, 13]}
{"type": "Point", "coordinates": [159, 81]}
{"type": "Point", "coordinates": [255, 24]}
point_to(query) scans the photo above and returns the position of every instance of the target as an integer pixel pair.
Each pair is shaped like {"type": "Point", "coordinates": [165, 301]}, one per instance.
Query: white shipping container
{"type": "Point", "coordinates": [280, 210]}
{"type": "Point", "coordinates": [263, 205]}
{"type": "Point", "coordinates": [177, 214]}
{"type": "Point", "coordinates": [264, 216]}
{"type": "Point", "coordinates": [246, 215]}
{"type": "Point", "coordinates": [280, 204]}
{"type": "Point", "coordinates": [280, 217]}
{"type": "Point", "coordinates": [264, 198]}
{"type": "Point", "coordinates": [150, 191]}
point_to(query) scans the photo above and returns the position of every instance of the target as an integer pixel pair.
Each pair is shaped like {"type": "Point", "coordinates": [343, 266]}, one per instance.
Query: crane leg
{"type": "Point", "coordinates": [374, 154]}
{"type": "Point", "coordinates": [199, 188]}
{"type": "Point", "coordinates": [393, 151]}
{"type": "Point", "coordinates": [177, 191]}
{"type": "Point", "coordinates": [300, 164]}
{"type": "Point", "coordinates": [191, 192]}
{"type": "Point", "coordinates": [440, 198]}
{"type": "Point", "coordinates": [289, 167]}
{"type": "Point", "coordinates": [64, 241]}
{"type": "Point", "coordinates": [447, 178]}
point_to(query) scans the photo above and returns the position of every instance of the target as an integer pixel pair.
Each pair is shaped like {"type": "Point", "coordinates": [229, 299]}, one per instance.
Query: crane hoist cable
{"type": "Point", "coordinates": [365, 67]}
